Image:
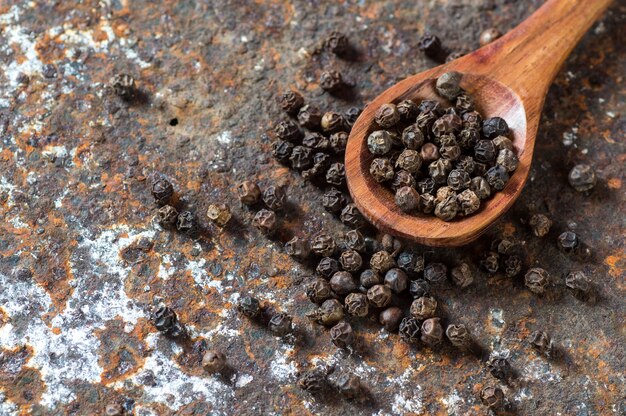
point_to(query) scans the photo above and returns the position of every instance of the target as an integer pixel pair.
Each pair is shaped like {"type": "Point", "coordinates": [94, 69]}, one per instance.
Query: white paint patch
{"type": "Point", "coordinates": [6, 407]}
{"type": "Point", "coordinates": [243, 380]}
{"type": "Point", "coordinates": [282, 367]}
{"type": "Point", "coordinates": [497, 316]}
{"type": "Point", "coordinates": [541, 370]}
{"type": "Point", "coordinates": [569, 137]}
{"type": "Point", "coordinates": [224, 137]}
{"type": "Point", "coordinates": [409, 396]}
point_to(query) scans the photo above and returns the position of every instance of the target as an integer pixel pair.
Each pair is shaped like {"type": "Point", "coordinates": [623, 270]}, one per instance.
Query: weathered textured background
{"type": "Point", "coordinates": [81, 259]}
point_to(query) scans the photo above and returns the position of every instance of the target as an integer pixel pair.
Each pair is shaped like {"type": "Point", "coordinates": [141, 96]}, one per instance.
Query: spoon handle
{"type": "Point", "coordinates": [528, 58]}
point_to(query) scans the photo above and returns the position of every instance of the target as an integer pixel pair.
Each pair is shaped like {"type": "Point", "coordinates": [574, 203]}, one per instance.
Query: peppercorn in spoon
{"type": "Point", "coordinates": [508, 78]}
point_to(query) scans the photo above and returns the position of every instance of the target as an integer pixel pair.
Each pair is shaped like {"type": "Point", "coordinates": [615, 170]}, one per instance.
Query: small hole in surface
{"type": "Point", "coordinates": [174, 122]}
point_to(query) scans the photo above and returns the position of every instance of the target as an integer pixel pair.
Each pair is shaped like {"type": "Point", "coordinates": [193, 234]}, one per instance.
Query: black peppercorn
{"type": "Point", "coordinates": [409, 329]}
{"type": "Point", "coordinates": [397, 280]}
{"type": "Point", "coordinates": [401, 179]}
{"type": "Point", "coordinates": [338, 141]}
{"type": "Point", "coordinates": [379, 142]}
{"type": "Point", "coordinates": [468, 202]}
{"type": "Point", "coordinates": [472, 120]}
{"type": "Point", "coordinates": [379, 295]}
{"type": "Point", "coordinates": [540, 224]}
{"type": "Point", "coordinates": [350, 387]}
{"type": "Point", "coordinates": [568, 242]}
{"type": "Point", "coordinates": [337, 43]}
{"type": "Point", "coordinates": [447, 209]}
{"type": "Point", "coordinates": [407, 110]}
{"type": "Point", "coordinates": [342, 283]}
{"type": "Point", "coordinates": [319, 291]}
{"type": "Point", "coordinates": [382, 261]}
{"type": "Point", "coordinates": [480, 187]}
{"type": "Point", "coordinates": [328, 314]}
{"type": "Point", "coordinates": [490, 262]}
{"type": "Point", "coordinates": [390, 318]}
{"type": "Point", "coordinates": [464, 103]}
{"type": "Point", "coordinates": [186, 222]}
{"type": "Point", "coordinates": [419, 288]}
{"type": "Point", "coordinates": [468, 138]}
{"type": "Point", "coordinates": [492, 397]}
{"type": "Point", "coordinates": [381, 169]}
{"type": "Point", "coordinates": [409, 160]}
{"type": "Point", "coordinates": [248, 192]}
{"type": "Point", "coordinates": [333, 200]}
{"type": "Point", "coordinates": [447, 124]}
{"type": "Point", "coordinates": [448, 85]}
{"type": "Point", "coordinates": [497, 177]}
{"type": "Point", "coordinates": [287, 130]}
{"type": "Point", "coordinates": [439, 169]}
{"type": "Point", "coordinates": [430, 45]}
{"type": "Point", "coordinates": [280, 324]}
{"type": "Point", "coordinates": [458, 179]}
{"type": "Point", "coordinates": [435, 272]}
{"type": "Point", "coordinates": [351, 260]}
{"type": "Point", "coordinates": [423, 307]}
{"type": "Point", "coordinates": [336, 174]}
{"type": "Point", "coordinates": [507, 159]}
{"type": "Point", "coordinates": [297, 247]}
{"type": "Point", "coordinates": [512, 266]}
{"type": "Point", "coordinates": [369, 278]}
{"type": "Point", "coordinates": [537, 280]}
{"type": "Point", "coordinates": [582, 178]}
{"type": "Point", "coordinates": [342, 335]}
{"type": "Point", "coordinates": [333, 122]}
{"type": "Point", "coordinates": [425, 121]}
{"type": "Point", "coordinates": [291, 102]}
{"type": "Point", "coordinates": [314, 140]}
{"type": "Point", "coordinates": [219, 214]}
{"type": "Point", "coordinates": [411, 262]}
{"type": "Point", "coordinates": [541, 342]}
{"type": "Point", "coordinates": [162, 190]}
{"type": "Point", "coordinates": [430, 106]}
{"type": "Point", "coordinates": [249, 306]}
{"type": "Point", "coordinates": [499, 367]}
{"type": "Point", "coordinates": [494, 127]}
{"type": "Point", "coordinates": [282, 150]}
{"type": "Point", "coordinates": [213, 361]}
{"type": "Point", "coordinates": [427, 203]}
{"type": "Point", "coordinates": [265, 221]}
{"type": "Point", "coordinates": [503, 143]}
{"type": "Point", "coordinates": [485, 151]}
{"type": "Point", "coordinates": [407, 199]}
{"type": "Point", "coordinates": [331, 81]}
{"type": "Point", "coordinates": [356, 304]}
{"type": "Point", "coordinates": [459, 336]}
{"type": "Point", "coordinates": [327, 266]}
{"type": "Point", "coordinates": [432, 332]}
{"type": "Point", "coordinates": [310, 117]}
{"type": "Point", "coordinates": [123, 86]}
{"type": "Point", "coordinates": [274, 198]}
{"type": "Point", "coordinates": [462, 275]}
{"type": "Point", "coordinates": [426, 186]}
{"type": "Point", "coordinates": [312, 381]}
{"type": "Point", "coordinates": [166, 216]}
{"type": "Point", "coordinates": [387, 116]}
{"type": "Point", "coordinates": [166, 321]}
{"type": "Point", "coordinates": [578, 283]}
{"type": "Point", "coordinates": [301, 158]}
{"type": "Point", "coordinates": [466, 163]}
{"type": "Point", "coordinates": [412, 137]}
{"type": "Point", "coordinates": [352, 114]}
{"type": "Point", "coordinates": [354, 240]}
{"type": "Point", "coordinates": [323, 244]}
{"type": "Point", "coordinates": [351, 216]}
{"type": "Point", "coordinates": [452, 153]}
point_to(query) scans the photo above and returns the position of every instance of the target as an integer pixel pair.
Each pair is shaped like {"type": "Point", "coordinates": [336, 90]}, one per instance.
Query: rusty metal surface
{"type": "Point", "coordinates": [81, 258]}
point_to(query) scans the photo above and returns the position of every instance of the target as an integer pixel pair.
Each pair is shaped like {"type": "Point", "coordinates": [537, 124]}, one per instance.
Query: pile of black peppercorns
{"type": "Point", "coordinates": [441, 160]}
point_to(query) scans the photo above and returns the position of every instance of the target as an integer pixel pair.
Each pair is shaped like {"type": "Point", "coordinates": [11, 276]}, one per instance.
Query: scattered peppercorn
{"type": "Point", "coordinates": [327, 266]}
{"type": "Point", "coordinates": [382, 261]}
{"type": "Point", "coordinates": [336, 174]}
{"type": "Point", "coordinates": [342, 335]}
{"type": "Point", "coordinates": [423, 307]}
{"type": "Point", "coordinates": [316, 141]}
{"type": "Point", "coordinates": [319, 291]}
{"type": "Point", "coordinates": [219, 214]}
{"type": "Point", "coordinates": [249, 306]}
{"type": "Point", "coordinates": [459, 336]}
{"type": "Point", "coordinates": [432, 332]}
{"type": "Point", "coordinates": [430, 45]}
{"type": "Point", "coordinates": [356, 304]}
{"type": "Point", "coordinates": [492, 397]}
{"type": "Point", "coordinates": [280, 324]}
{"type": "Point", "coordinates": [540, 224]}
{"type": "Point", "coordinates": [213, 361]}
{"type": "Point", "coordinates": [379, 295]}
{"type": "Point", "coordinates": [582, 178]}
{"type": "Point", "coordinates": [301, 158]}
{"type": "Point", "coordinates": [499, 367]}
{"type": "Point", "coordinates": [512, 266]}
{"type": "Point", "coordinates": [162, 190]}
{"type": "Point", "coordinates": [342, 283]}
{"type": "Point", "coordinates": [419, 288]}
{"type": "Point", "coordinates": [435, 272]}
{"type": "Point", "coordinates": [310, 117]}
{"type": "Point", "coordinates": [281, 150]}
{"type": "Point", "coordinates": [352, 114]}
{"type": "Point", "coordinates": [541, 342]}
{"type": "Point", "coordinates": [248, 192]}
{"type": "Point", "coordinates": [297, 247]}
{"type": "Point", "coordinates": [351, 216]}
{"type": "Point", "coordinates": [328, 314]}
{"type": "Point", "coordinates": [351, 260]}
{"type": "Point", "coordinates": [166, 321]}
{"type": "Point", "coordinates": [166, 216]}
{"type": "Point", "coordinates": [265, 221]}
{"type": "Point", "coordinates": [323, 244]}
{"type": "Point", "coordinates": [448, 85]}
{"type": "Point", "coordinates": [390, 318]}
{"type": "Point", "coordinates": [537, 280]}
{"type": "Point", "coordinates": [333, 200]}
{"type": "Point", "coordinates": [186, 222]}
{"type": "Point", "coordinates": [490, 262]}
{"type": "Point", "coordinates": [409, 329]}
{"type": "Point", "coordinates": [288, 131]}
{"type": "Point", "coordinates": [123, 86]}
{"type": "Point", "coordinates": [354, 240]}
{"type": "Point", "coordinates": [331, 81]}
{"type": "Point", "coordinates": [291, 101]}
{"type": "Point", "coordinates": [337, 43]}
{"type": "Point", "coordinates": [333, 122]}
{"type": "Point", "coordinates": [350, 387]}
{"type": "Point", "coordinates": [579, 284]}
{"type": "Point", "coordinates": [396, 280]}
{"type": "Point", "coordinates": [568, 242]}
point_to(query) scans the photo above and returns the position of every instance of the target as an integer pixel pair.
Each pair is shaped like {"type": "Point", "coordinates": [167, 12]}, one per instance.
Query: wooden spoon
{"type": "Point", "coordinates": [508, 78]}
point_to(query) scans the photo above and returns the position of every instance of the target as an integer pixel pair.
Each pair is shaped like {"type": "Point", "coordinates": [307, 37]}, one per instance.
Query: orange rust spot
{"type": "Point", "coordinates": [614, 183]}
{"type": "Point", "coordinates": [100, 35]}
{"type": "Point", "coordinates": [617, 264]}
{"type": "Point", "coordinates": [509, 229]}
{"type": "Point", "coordinates": [56, 330]}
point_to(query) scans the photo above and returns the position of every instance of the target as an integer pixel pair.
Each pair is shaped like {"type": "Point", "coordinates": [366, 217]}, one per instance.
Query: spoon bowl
{"type": "Point", "coordinates": [508, 78]}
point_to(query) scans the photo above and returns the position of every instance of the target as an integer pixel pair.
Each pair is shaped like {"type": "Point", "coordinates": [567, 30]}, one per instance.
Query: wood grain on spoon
{"type": "Point", "coordinates": [508, 78]}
